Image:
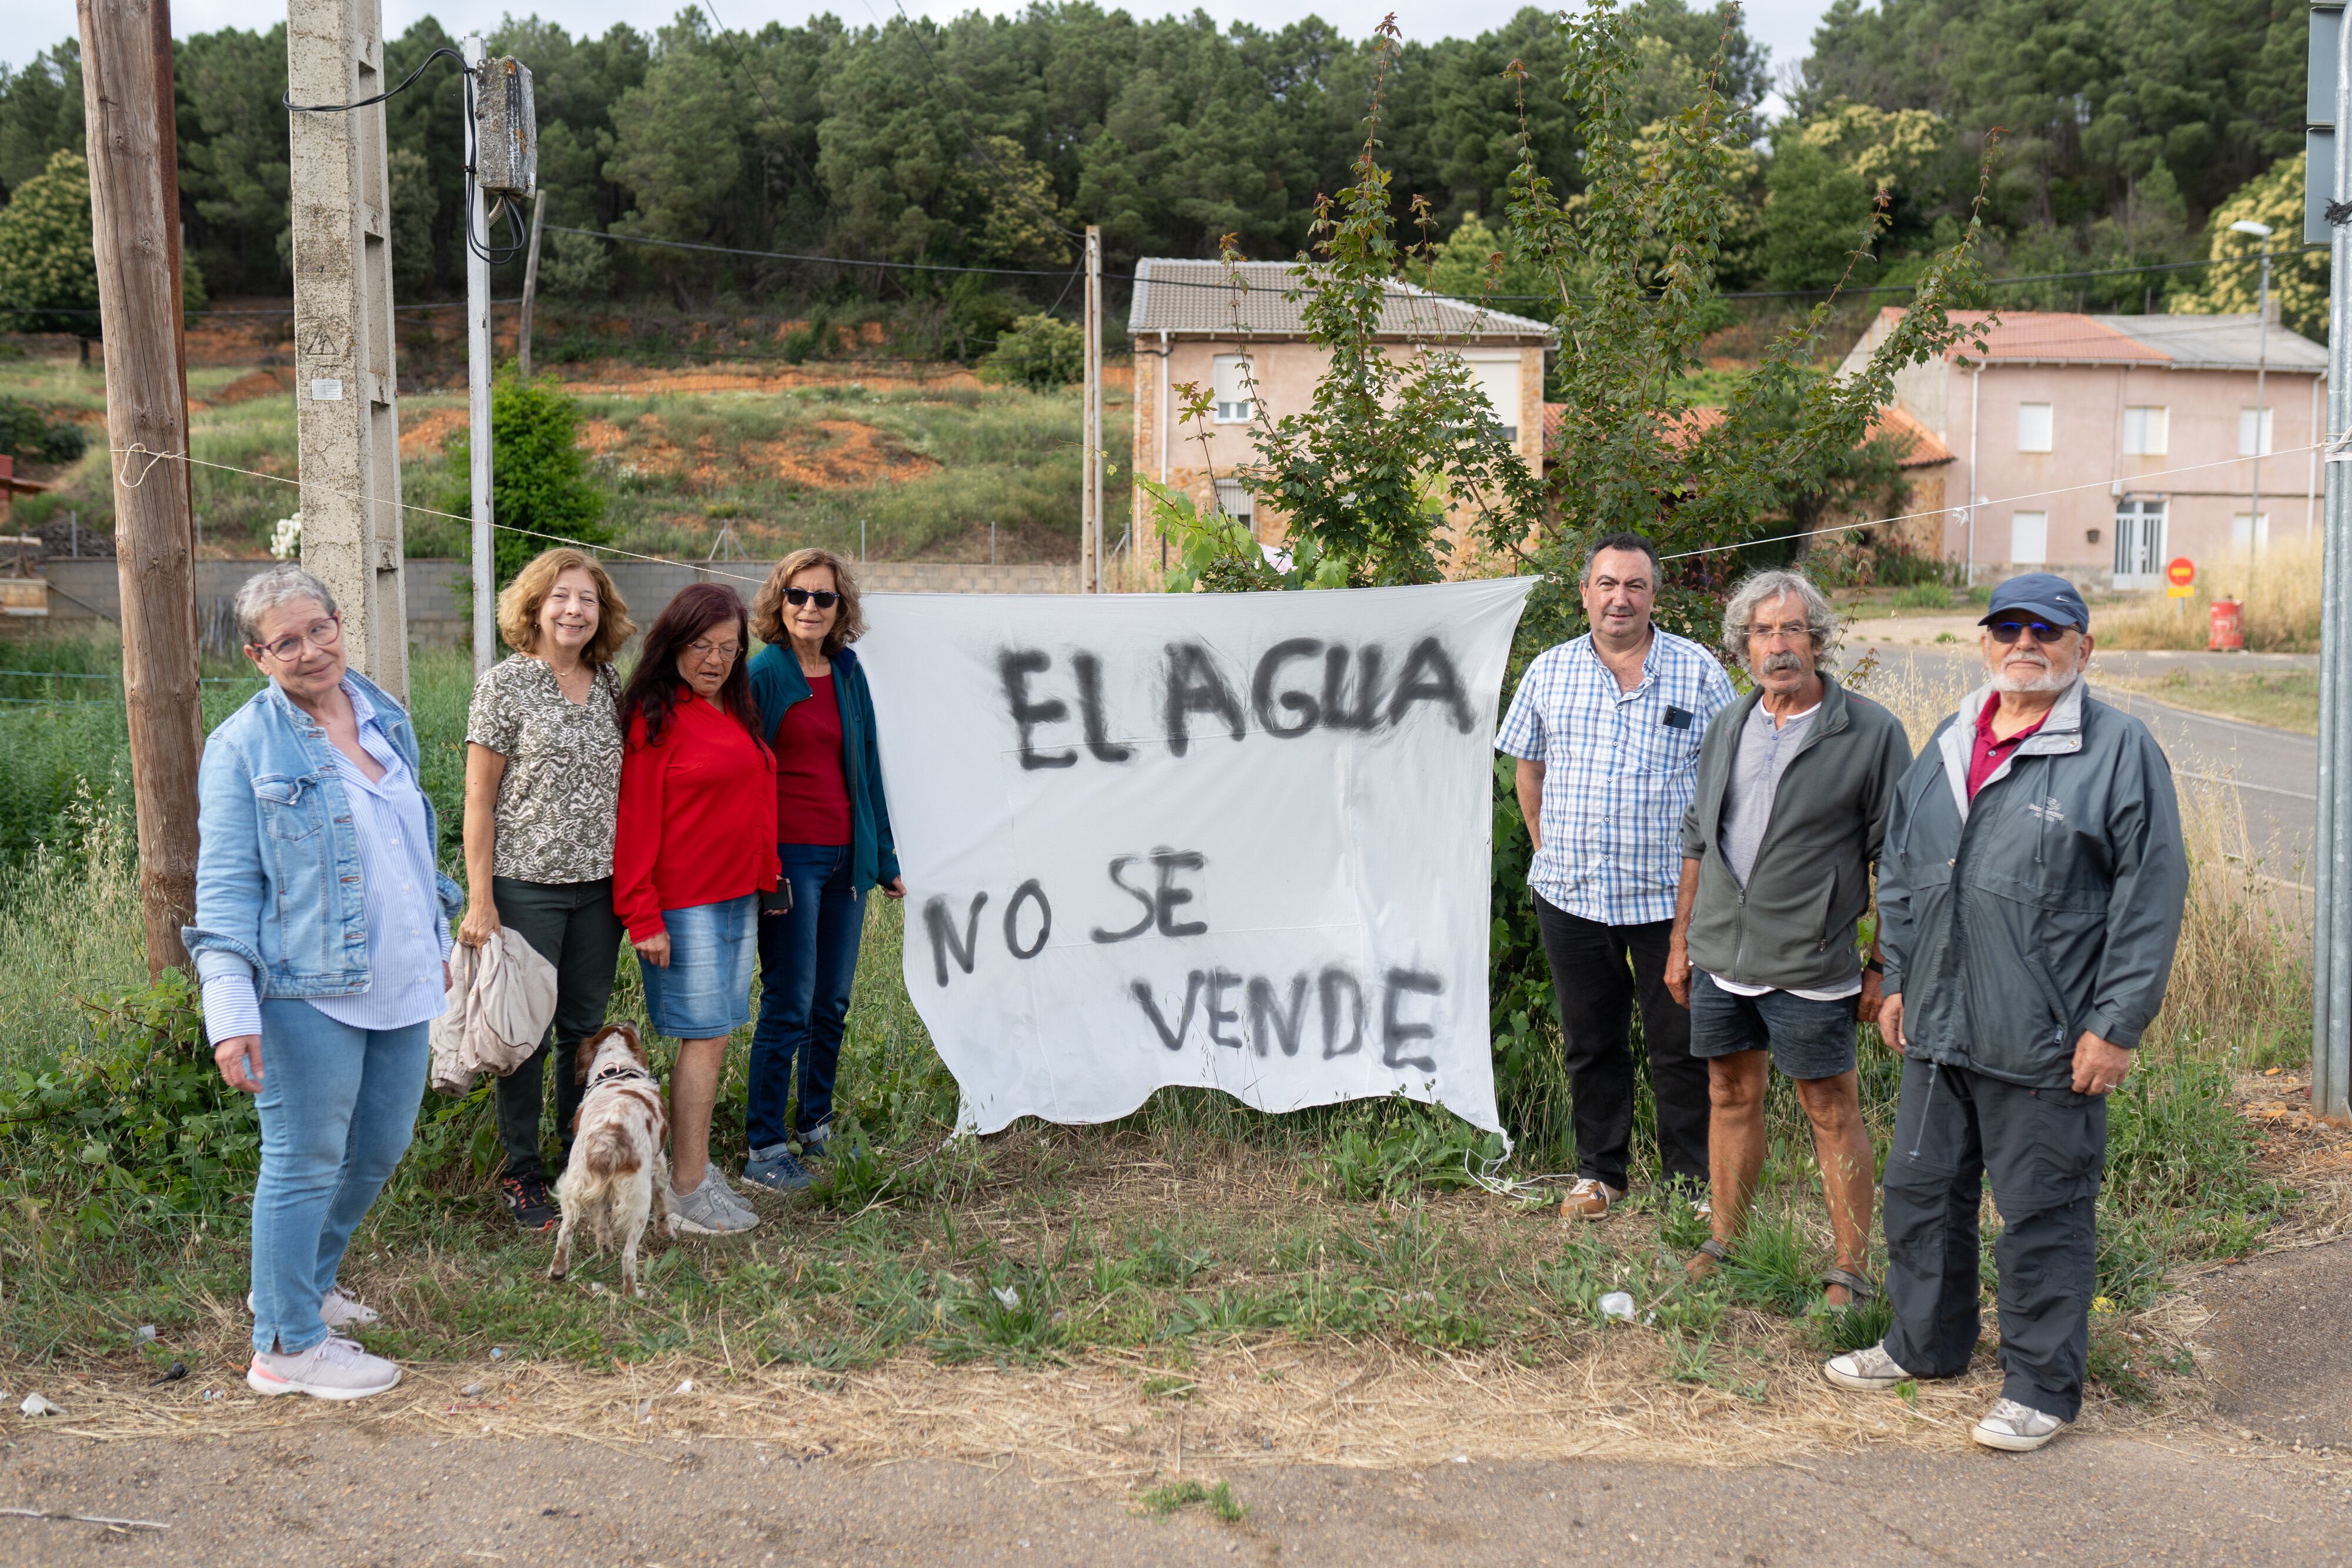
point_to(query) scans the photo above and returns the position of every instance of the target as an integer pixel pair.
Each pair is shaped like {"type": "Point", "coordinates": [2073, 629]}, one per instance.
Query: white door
{"type": "Point", "coordinates": [2139, 543]}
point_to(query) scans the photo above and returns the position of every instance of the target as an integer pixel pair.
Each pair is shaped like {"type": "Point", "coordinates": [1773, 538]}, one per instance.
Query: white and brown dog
{"type": "Point", "coordinates": [618, 1171]}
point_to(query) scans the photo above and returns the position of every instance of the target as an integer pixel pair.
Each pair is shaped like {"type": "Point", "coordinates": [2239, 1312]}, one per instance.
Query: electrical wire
{"type": "Point", "coordinates": [286, 98]}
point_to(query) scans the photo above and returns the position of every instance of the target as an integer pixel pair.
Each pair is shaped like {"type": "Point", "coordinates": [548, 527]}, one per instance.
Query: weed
{"type": "Point", "coordinates": [1168, 1386]}
{"type": "Point", "coordinates": [1924, 596]}
{"type": "Point", "coordinates": [1166, 1499]}
{"type": "Point", "coordinates": [1857, 1327]}
{"type": "Point", "coordinates": [1768, 1268]}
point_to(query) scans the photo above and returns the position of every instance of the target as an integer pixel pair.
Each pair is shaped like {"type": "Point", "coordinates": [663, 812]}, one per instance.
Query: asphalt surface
{"type": "Point", "coordinates": [2275, 772]}
{"type": "Point", "coordinates": [337, 1494]}
{"type": "Point", "coordinates": [2279, 1347]}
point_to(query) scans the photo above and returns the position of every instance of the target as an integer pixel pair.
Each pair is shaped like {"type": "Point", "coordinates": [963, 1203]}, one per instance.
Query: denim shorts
{"type": "Point", "coordinates": [1806, 1038]}
{"type": "Point", "coordinates": [706, 990]}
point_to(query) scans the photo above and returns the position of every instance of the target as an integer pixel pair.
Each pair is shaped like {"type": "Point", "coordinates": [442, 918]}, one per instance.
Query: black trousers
{"type": "Point", "coordinates": [2046, 1152]}
{"type": "Point", "coordinates": [572, 927]}
{"type": "Point", "coordinates": [1598, 972]}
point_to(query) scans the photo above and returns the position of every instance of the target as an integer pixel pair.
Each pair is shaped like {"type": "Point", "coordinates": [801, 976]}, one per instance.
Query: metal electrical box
{"type": "Point", "coordinates": [506, 129]}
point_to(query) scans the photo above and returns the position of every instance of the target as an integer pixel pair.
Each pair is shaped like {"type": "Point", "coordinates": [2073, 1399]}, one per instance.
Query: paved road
{"type": "Point", "coordinates": [2274, 771]}
{"type": "Point", "coordinates": [333, 1493]}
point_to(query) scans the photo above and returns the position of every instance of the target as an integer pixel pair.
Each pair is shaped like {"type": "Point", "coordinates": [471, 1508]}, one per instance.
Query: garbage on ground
{"type": "Point", "coordinates": [146, 1334]}
{"type": "Point", "coordinates": [1619, 1305]}
{"type": "Point", "coordinates": [686, 1387]}
{"type": "Point", "coordinates": [497, 1352]}
{"type": "Point", "coordinates": [171, 1374]}
{"type": "Point", "coordinates": [1008, 1295]}
{"type": "Point", "coordinates": [34, 1405]}
{"type": "Point", "coordinates": [470, 1390]}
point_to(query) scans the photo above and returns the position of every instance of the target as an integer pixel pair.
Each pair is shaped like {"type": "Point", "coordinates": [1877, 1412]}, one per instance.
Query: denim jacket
{"type": "Point", "coordinates": [278, 868]}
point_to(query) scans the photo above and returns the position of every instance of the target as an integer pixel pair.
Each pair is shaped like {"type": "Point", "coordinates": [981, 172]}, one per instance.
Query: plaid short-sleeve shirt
{"type": "Point", "coordinates": [1619, 768]}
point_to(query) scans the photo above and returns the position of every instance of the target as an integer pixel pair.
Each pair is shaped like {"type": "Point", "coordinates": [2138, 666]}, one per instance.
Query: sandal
{"type": "Point", "coordinates": [1708, 1249]}
{"type": "Point", "coordinates": [1861, 1289]}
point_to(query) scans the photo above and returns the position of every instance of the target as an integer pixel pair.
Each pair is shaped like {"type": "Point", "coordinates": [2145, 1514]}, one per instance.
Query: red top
{"type": "Point", "coordinates": [697, 820]}
{"type": "Point", "coordinates": [812, 796]}
{"type": "Point", "coordinates": [1988, 754]}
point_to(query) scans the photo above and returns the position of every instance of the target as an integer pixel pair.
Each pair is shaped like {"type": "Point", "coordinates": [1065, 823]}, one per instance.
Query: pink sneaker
{"type": "Point", "coordinates": [332, 1369]}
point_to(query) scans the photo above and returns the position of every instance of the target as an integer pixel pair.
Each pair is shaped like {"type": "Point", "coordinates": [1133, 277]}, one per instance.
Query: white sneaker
{"type": "Point", "coordinates": [338, 1308]}
{"type": "Point", "coordinates": [2015, 1428]}
{"type": "Point", "coordinates": [334, 1368]}
{"type": "Point", "coordinates": [1870, 1371]}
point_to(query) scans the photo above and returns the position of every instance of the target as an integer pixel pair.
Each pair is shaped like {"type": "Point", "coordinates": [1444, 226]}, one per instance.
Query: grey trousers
{"type": "Point", "coordinates": [2045, 1151]}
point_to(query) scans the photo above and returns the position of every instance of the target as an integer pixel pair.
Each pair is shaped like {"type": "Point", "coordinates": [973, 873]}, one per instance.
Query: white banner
{"type": "Point", "coordinates": [1238, 841]}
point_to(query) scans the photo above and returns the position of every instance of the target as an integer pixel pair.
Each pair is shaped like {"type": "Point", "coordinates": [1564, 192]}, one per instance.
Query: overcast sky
{"type": "Point", "coordinates": [1786, 26]}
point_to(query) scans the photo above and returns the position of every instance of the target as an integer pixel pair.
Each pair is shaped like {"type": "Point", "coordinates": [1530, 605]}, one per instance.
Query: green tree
{"type": "Point", "coordinates": [1038, 352]}
{"type": "Point", "coordinates": [49, 273]}
{"type": "Point", "coordinates": [1474, 261]}
{"type": "Point", "coordinates": [1817, 214]}
{"type": "Point", "coordinates": [539, 488]}
{"type": "Point", "coordinates": [677, 152]}
{"type": "Point", "coordinates": [2298, 276]}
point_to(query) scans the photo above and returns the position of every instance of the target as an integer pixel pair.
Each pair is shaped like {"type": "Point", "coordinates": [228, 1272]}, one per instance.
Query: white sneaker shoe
{"type": "Point", "coordinates": [334, 1368]}
{"type": "Point", "coordinates": [2015, 1428]}
{"type": "Point", "coordinates": [1870, 1371]}
{"type": "Point", "coordinates": [338, 1308]}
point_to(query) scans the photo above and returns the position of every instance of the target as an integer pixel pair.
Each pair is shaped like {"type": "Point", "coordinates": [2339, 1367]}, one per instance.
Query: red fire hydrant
{"type": "Point", "coordinates": [2228, 633]}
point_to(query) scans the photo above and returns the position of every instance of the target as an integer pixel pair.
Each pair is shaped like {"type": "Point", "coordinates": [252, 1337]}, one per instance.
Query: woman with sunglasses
{"type": "Point", "coordinates": [833, 832]}
{"type": "Point", "coordinates": [695, 849]}
{"type": "Point", "coordinates": [322, 934]}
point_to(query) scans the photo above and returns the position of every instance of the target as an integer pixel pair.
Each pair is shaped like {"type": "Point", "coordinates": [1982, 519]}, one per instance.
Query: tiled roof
{"type": "Point", "coordinates": [2235, 343]}
{"type": "Point", "coordinates": [1922, 450]}
{"type": "Point", "coordinates": [1202, 298]}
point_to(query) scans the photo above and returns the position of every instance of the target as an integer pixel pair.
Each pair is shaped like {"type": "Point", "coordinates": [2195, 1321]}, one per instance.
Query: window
{"type": "Point", "coordinates": [2028, 538]}
{"type": "Point", "coordinates": [2145, 432]}
{"type": "Point", "coordinates": [2033, 427]}
{"type": "Point", "coordinates": [2248, 534]}
{"type": "Point", "coordinates": [1234, 502]}
{"type": "Point", "coordinates": [1232, 375]}
{"type": "Point", "coordinates": [1499, 380]}
{"type": "Point", "coordinates": [2247, 420]}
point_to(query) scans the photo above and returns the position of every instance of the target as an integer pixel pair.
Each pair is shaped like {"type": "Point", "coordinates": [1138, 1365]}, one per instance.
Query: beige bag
{"type": "Point", "coordinates": [501, 999]}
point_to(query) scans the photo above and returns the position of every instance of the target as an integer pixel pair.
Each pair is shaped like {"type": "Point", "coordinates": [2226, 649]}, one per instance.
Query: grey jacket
{"type": "Point", "coordinates": [2046, 907]}
{"type": "Point", "coordinates": [1792, 926]}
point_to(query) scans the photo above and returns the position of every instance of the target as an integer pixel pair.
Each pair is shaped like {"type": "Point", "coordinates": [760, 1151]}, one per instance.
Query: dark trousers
{"type": "Point", "coordinates": [808, 957]}
{"type": "Point", "coordinates": [2046, 1151]}
{"type": "Point", "coordinates": [572, 927]}
{"type": "Point", "coordinates": [1598, 973]}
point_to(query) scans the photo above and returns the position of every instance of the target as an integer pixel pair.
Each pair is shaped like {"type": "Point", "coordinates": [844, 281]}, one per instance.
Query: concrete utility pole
{"type": "Point", "coordinates": [477, 392]}
{"type": "Point", "coordinates": [2331, 1029]}
{"type": "Point", "coordinates": [347, 423]}
{"type": "Point", "coordinates": [2262, 372]}
{"type": "Point", "coordinates": [1093, 396]}
{"type": "Point", "coordinates": [134, 208]}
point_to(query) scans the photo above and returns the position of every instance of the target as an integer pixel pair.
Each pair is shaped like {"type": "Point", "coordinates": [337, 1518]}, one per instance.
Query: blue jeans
{"type": "Point", "coordinates": [338, 1105]}
{"type": "Point", "coordinates": [808, 957]}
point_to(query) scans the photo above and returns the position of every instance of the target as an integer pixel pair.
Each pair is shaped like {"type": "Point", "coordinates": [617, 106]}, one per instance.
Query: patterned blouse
{"type": "Point", "coordinates": [561, 788]}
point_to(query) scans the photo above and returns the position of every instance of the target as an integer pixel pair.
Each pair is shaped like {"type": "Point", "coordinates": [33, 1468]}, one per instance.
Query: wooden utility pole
{"type": "Point", "coordinates": [346, 411]}
{"type": "Point", "coordinates": [134, 208]}
{"type": "Point", "coordinates": [530, 287]}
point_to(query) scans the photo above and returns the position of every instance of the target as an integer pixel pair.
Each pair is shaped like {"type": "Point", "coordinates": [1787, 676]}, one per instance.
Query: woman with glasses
{"type": "Point", "coordinates": [696, 847]}
{"type": "Point", "coordinates": [322, 934]}
{"type": "Point", "coordinates": [543, 789]}
{"type": "Point", "coordinates": [834, 833]}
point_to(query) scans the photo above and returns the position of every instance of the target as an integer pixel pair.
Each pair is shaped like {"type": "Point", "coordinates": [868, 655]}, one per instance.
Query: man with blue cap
{"type": "Point", "coordinates": [2029, 892]}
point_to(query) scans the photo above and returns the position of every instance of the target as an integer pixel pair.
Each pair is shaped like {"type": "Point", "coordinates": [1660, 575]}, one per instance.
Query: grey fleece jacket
{"type": "Point", "coordinates": [2047, 907]}
{"type": "Point", "coordinates": [1792, 926]}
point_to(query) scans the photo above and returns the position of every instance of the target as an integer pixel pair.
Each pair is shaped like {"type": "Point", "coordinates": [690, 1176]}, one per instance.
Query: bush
{"type": "Point", "coordinates": [539, 476]}
{"type": "Point", "coordinates": [1038, 352]}
{"type": "Point", "coordinates": [30, 436]}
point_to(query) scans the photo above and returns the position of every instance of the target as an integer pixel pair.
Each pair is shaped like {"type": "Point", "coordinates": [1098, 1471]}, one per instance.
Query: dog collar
{"type": "Point", "coordinates": [612, 1074]}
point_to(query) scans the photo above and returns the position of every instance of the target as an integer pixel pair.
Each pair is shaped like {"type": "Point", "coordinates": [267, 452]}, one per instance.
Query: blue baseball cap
{"type": "Point", "coordinates": [2043, 593]}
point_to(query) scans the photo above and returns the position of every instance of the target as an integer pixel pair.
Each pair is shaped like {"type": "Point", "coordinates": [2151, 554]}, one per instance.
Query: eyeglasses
{"type": "Point", "coordinates": [2005, 631]}
{"type": "Point", "coordinates": [825, 597]}
{"type": "Point", "coordinates": [323, 633]}
{"type": "Point", "coordinates": [1792, 631]}
{"type": "Point", "coordinates": [704, 651]}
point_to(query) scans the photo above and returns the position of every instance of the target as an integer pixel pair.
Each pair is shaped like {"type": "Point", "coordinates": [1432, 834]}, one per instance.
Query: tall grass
{"type": "Point", "coordinates": [2278, 590]}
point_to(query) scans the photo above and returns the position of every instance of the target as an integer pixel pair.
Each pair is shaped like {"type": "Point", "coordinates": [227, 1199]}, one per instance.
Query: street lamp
{"type": "Point", "coordinates": [2262, 366]}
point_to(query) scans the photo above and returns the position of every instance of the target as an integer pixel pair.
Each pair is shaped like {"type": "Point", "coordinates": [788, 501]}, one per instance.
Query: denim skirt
{"type": "Point", "coordinates": [706, 990]}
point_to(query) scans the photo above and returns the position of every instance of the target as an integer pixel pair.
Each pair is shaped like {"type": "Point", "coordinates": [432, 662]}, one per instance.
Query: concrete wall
{"type": "Point", "coordinates": [88, 592]}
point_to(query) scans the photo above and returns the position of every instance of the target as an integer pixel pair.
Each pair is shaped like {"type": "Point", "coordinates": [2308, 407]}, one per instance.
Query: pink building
{"type": "Point", "coordinates": [1234, 334]}
{"type": "Point", "coordinates": [2101, 447]}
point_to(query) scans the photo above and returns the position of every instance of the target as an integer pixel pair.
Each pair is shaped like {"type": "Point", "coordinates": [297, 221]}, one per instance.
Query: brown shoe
{"type": "Point", "coordinates": [1589, 1198]}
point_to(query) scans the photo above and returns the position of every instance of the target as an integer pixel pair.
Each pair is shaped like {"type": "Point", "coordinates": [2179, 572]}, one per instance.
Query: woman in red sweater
{"type": "Point", "coordinates": [695, 849]}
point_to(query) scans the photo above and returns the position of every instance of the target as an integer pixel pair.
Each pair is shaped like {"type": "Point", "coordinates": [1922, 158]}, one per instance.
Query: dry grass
{"type": "Point", "coordinates": [2278, 588]}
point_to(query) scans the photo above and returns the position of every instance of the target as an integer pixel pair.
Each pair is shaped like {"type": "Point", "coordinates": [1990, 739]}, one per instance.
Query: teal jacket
{"type": "Point", "coordinates": [776, 684]}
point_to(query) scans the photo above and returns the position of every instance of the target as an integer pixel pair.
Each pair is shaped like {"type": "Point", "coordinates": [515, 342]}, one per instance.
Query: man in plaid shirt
{"type": "Point", "coordinates": [1607, 730]}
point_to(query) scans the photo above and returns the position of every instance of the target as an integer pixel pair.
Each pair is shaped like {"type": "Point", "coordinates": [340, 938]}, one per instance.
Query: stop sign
{"type": "Point", "coordinates": [2181, 572]}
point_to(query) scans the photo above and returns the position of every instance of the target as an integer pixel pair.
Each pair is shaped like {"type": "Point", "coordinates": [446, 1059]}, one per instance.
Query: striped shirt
{"type": "Point", "coordinates": [407, 933]}
{"type": "Point", "coordinates": [1619, 768]}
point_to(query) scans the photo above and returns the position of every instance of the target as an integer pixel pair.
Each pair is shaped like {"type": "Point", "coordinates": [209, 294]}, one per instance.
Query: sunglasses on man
{"type": "Point", "coordinates": [825, 597]}
{"type": "Point", "coordinates": [2005, 631]}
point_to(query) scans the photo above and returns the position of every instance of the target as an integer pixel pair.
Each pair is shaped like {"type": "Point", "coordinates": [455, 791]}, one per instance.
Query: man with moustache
{"type": "Point", "coordinates": [1794, 784]}
{"type": "Point", "coordinates": [2030, 895]}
